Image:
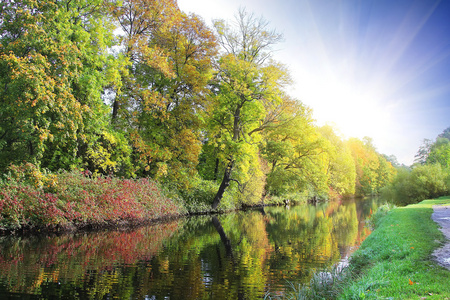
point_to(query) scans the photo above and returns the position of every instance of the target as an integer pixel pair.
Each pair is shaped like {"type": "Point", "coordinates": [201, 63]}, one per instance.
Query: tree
{"type": "Point", "coordinates": [341, 168]}
{"type": "Point", "coordinates": [440, 152]}
{"type": "Point", "coordinates": [422, 153]}
{"type": "Point", "coordinates": [140, 20]}
{"type": "Point", "coordinates": [373, 172]}
{"type": "Point", "coordinates": [54, 66]}
{"type": "Point", "coordinates": [166, 92]}
{"type": "Point", "coordinates": [422, 182]}
{"type": "Point", "coordinates": [247, 84]}
{"type": "Point", "coordinates": [445, 134]}
{"type": "Point", "coordinates": [248, 38]}
{"type": "Point", "coordinates": [297, 154]}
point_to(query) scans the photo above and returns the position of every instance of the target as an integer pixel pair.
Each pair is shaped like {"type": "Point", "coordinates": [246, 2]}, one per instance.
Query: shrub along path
{"type": "Point", "coordinates": [441, 215]}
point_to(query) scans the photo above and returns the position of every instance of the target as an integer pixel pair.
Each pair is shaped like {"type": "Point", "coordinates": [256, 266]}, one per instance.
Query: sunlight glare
{"type": "Point", "coordinates": [354, 107]}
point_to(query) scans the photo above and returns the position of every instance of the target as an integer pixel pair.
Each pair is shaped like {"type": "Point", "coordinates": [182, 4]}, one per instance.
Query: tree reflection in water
{"type": "Point", "coordinates": [240, 255]}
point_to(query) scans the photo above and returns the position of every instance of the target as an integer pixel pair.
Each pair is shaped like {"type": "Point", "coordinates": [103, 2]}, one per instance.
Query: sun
{"type": "Point", "coordinates": [355, 108]}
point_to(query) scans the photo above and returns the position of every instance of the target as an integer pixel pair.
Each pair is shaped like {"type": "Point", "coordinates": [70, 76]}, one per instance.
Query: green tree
{"type": "Point", "coordinates": [54, 66]}
{"type": "Point", "coordinates": [423, 152]}
{"type": "Point", "coordinates": [297, 154]}
{"type": "Point", "coordinates": [440, 152]}
{"type": "Point", "coordinates": [373, 172]}
{"type": "Point", "coordinates": [341, 168]}
{"type": "Point", "coordinates": [422, 182]}
{"type": "Point", "coordinates": [161, 107]}
{"type": "Point", "coordinates": [247, 85]}
{"type": "Point", "coordinates": [445, 134]}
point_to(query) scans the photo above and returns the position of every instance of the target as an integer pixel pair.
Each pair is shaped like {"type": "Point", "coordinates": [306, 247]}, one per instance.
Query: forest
{"type": "Point", "coordinates": [129, 110]}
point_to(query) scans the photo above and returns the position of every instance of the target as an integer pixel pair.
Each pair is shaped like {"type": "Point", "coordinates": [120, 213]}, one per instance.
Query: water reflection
{"type": "Point", "coordinates": [234, 256]}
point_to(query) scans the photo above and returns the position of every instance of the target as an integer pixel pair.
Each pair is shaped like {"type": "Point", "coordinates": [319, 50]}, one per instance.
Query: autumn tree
{"type": "Point", "coordinates": [54, 66]}
{"type": "Point", "coordinates": [341, 167]}
{"type": "Point", "coordinates": [373, 172]}
{"type": "Point", "coordinates": [161, 106]}
{"type": "Point", "coordinates": [139, 21]}
{"type": "Point", "coordinates": [247, 83]}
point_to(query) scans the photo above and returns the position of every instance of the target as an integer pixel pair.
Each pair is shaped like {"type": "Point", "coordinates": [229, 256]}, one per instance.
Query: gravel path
{"type": "Point", "coordinates": [441, 215]}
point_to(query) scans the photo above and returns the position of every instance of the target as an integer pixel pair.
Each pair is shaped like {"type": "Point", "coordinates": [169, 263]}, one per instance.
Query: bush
{"type": "Point", "coordinates": [30, 198]}
{"type": "Point", "coordinates": [423, 182]}
{"type": "Point", "coordinates": [200, 196]}
{"type": "Point", "coordinates": [382, 211]}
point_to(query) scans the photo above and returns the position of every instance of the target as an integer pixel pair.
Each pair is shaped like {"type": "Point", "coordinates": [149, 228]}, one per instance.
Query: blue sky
{"type": "Point", "coordinates": [377, 68]}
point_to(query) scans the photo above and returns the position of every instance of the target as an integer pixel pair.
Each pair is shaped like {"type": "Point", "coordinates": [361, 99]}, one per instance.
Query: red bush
{"type": "Point", "coordinates": [79, 199]}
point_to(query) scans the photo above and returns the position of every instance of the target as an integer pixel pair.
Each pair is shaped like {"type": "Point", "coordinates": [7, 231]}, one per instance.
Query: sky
{"type": "Point", "coordinates": [376, 68]}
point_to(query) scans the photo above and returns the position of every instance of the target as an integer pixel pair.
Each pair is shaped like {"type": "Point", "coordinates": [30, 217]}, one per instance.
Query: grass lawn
{"type": "Point", "coordinates": [395, 261]}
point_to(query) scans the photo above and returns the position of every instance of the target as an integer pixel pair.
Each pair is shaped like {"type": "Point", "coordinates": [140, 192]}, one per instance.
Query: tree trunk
{"type": "Point", "coordinates": [227, 174]}
{"type": "Point", "coordinates": [115, 110]}
{"type": "Point", "coordinates": [225, 183]}
{"type": "Point", "coordinates": [216, 169]}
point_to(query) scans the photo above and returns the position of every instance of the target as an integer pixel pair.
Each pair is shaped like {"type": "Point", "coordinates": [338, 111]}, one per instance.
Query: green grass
{"type": "Point", "coordinates": [395, 261]}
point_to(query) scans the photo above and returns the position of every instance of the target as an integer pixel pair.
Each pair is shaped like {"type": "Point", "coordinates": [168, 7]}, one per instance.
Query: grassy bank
{"type": "Point", "coordinates": [395, 261]}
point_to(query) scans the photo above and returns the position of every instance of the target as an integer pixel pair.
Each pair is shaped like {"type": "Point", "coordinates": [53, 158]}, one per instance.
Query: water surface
{"type": "Point", "coordinates": [240, 255]}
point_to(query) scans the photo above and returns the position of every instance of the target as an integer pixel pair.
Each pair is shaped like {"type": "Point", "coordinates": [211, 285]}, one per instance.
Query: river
{"type": "Point", "coordinates": [240, 255]}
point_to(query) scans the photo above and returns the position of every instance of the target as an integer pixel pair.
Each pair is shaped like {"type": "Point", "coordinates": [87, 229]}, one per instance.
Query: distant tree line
{"type": "Point", "coordinates": [428, 177]}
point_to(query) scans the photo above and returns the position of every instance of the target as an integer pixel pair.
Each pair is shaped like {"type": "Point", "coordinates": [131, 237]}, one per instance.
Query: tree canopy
{"type": "Point", "coordinates": [138, 88]}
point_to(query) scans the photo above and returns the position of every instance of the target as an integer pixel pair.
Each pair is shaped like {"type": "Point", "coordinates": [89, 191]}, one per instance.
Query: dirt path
{"type": "Point", "coordinates": [441, 215]}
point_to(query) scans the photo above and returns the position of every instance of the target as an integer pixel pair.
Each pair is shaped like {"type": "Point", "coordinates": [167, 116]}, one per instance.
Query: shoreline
{"type": "Point", "coordinates": [122, 225]}
{"type": "Point", "coordinates": [398, 259]}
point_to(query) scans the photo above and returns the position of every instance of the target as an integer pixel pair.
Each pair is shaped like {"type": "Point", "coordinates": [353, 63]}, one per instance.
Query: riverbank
{"type": "Point", "coordinates": [396, 261]}
{"type": "Point", "coordinates": [35, 201]}
{"type": "Point", "coordinates": [75, 200]}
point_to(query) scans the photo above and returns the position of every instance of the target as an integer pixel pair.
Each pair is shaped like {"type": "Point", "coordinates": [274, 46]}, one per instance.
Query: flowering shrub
{"type": "Point", "coordinates": [78, 198]}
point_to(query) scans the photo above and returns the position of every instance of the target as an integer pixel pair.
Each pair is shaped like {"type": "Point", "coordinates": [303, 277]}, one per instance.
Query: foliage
{"type": "Point", "coordinates": [373, 171]}
{"type": "Point", "coordinates": [247, 87]}
{"type": "Point", "coordinates": [32, 199]}
{"type": "Point", "coordinates": [435, 152]}
{"type": "Point", "coordinates": [158, 98]}
{"type": "Point", "coordinates": [109, 154]}
{"type": "Point", "coordinates": [429, 177]}
{"type": "Point", "coordinates": [341, 167]}
{"type": "Point", "coordinates": [199, 196]}
{"type": "Point", "coordinates": [423, 152]}
{"type": "Point", "coordinates": [160, 107]}
{"type": "Point", "coordinates": [423, 182]}
{"type": "Point", "coordinates": [296, 153]}
{"type": "Point", "coordinates": [54, 65]}
{"type": "Point", "coordinates": [440, 153]}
